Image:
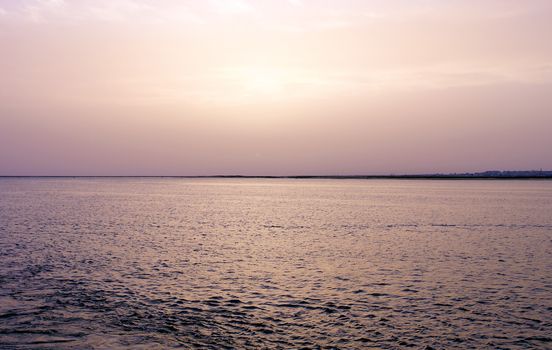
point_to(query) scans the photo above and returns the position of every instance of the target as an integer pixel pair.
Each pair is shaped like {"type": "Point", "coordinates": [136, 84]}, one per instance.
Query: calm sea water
{"type": "Point", "coordinates": [350, 264]}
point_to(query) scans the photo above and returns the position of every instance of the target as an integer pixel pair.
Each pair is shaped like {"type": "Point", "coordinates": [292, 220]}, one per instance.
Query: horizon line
{"type": "Point", "coordinates": [536, 174]}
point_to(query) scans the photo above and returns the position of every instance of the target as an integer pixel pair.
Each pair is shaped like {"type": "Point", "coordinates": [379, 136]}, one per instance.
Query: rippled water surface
{"type": "Point", "coordinates": [213, 263]}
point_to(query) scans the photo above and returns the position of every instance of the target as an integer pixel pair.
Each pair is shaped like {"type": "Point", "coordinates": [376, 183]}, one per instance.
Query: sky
{"type": "Point", "coordinates": [274, 87]}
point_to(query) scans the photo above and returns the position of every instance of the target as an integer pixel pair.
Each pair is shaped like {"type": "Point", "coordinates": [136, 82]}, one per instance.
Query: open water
{"type": "Point", "coordinates": [130, 263]}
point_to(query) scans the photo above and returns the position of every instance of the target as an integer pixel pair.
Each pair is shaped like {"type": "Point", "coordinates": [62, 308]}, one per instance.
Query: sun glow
{"type": "Point", "coordinates": [261, 81]}
{"type": "Point", "coordinates": [264, 82]}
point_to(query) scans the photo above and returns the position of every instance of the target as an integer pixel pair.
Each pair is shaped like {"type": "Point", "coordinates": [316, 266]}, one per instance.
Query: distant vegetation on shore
{"type": "Point", "coordinates": [491, 174]}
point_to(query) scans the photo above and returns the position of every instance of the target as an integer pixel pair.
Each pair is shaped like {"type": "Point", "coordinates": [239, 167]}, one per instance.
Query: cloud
{"type": "Point", "coordinates": [231, 7]}
{"type": "Point", "coordinates": [39, 10]}
{"type": "Point", "coordinates": [42, 11]}
{"type": "Point", "coordinates": [296, 2]}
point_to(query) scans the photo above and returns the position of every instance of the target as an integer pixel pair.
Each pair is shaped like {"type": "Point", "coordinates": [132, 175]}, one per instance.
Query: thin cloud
{"type": "Point", "coordinates": [297, 3]}
{"type": "Point", "coordinates": [231, 7]}
{"type": "Point", "coordinates": [44, 11]}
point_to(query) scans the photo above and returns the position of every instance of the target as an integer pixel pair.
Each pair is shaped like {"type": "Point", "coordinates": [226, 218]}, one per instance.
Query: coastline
{"type": "Point", "coordinates": [302, 177]}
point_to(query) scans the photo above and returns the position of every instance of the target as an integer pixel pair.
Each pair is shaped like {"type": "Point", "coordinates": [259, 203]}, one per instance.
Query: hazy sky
{"type": "Point", "coordinates": [194, 87]}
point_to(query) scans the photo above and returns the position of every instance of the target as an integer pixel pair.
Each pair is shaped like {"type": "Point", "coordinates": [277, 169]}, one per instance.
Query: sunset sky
{"type": "Point", "coordinates": [274, 87]}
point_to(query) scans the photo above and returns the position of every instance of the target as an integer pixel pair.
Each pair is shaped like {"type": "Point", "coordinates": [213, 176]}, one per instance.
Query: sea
{"type": "Point", "coordinates": [157, 263]}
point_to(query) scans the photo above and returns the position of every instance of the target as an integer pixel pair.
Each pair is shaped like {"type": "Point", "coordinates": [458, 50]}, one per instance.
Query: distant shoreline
{"type": "Point", "coordinates": [304, 177]}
